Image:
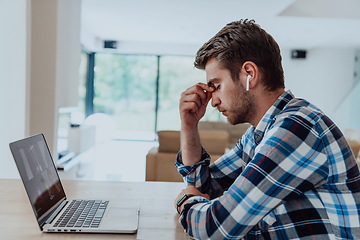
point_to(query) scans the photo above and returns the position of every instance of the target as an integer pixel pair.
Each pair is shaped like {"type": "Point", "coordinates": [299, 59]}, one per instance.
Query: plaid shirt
{"type": "Point", "coordinates": [292, 177]}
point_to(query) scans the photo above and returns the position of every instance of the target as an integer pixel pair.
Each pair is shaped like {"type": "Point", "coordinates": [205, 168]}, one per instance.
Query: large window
{"type": "Point", "coordinates": [141, 92]}
{"type": "Point", "coordinates": [125, 88]}
{"type": "Point", "coordinates": [176, 75]}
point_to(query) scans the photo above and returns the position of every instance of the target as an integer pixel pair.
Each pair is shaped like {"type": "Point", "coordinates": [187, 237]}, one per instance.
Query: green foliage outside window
{"type": "Point", "coordinates": [125, 89]}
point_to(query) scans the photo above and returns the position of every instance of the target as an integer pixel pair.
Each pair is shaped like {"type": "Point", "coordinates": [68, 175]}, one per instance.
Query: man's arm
{"type": "Point", "coordinates": [217, 177]}
{"type": "Point", "coordinates": [192, 106]}
{"type": "Point", "coordinates": [264, 184]}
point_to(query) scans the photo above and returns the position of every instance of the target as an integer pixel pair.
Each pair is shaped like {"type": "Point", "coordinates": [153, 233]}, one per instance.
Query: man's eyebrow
{"type": "Point", "coordinates": [211, 81]}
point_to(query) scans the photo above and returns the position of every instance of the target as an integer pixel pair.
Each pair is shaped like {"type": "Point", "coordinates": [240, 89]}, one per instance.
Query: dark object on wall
{"type": "Point", "coordinates": [298, 54]}
{"type": "Point", "coordinates": [110, 44]}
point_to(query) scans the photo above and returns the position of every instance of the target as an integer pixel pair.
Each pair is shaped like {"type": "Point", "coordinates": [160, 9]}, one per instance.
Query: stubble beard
{"type": "Point", "coordinates": [242, 108]}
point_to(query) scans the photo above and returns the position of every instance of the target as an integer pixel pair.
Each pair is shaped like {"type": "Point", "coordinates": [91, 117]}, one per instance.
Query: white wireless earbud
{"type": "Point", "coordinates": [248, 82]}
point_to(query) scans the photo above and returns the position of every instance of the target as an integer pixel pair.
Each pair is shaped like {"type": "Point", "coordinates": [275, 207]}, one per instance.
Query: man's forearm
{"type": "Point", "coordinates": [190, 145]}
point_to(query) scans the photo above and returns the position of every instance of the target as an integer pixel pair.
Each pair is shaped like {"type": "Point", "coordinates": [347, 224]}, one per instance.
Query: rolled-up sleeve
{"type": "Point", "coordinates": [215, 178]}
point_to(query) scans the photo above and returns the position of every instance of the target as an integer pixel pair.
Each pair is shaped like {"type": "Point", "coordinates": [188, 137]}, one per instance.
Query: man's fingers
{"type": "Point", "coordinates": [193, 102]}
{"type": "Point", "coordinates": [205, 92]}
{"type": "Point", "coordinates": [205, 87]}
{"type": "Point", "coordinates": [190, 104]}
{"type": "Point", "coordinates": [199, 92]}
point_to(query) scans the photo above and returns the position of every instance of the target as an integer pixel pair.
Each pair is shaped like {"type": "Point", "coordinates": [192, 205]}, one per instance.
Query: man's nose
{"type": "Point", "coordinates": [215, 101]}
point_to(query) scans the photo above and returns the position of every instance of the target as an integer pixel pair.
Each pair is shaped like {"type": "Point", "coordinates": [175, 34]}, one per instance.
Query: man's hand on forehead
{"type": "Point", "coordinates": [206, 87]}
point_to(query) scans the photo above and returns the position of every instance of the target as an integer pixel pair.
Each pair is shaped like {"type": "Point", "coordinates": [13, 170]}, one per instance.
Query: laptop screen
{"type": "Point", "coordinates": [38, 173]}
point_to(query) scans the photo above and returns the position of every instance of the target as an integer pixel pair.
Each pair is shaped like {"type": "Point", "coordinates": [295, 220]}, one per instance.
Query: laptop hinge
{"type": "Point", "coordinates": [52, 215]}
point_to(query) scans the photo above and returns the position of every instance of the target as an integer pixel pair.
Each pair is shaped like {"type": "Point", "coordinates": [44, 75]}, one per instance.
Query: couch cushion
{"type": "Point", "coordinates": [160, 166]}
{"type": "Point", "coordinates": [235, 131]}
{"type": "Point", "coordinates": [165, 169]}
{"type": "Point", "coordinates": [169, 141]}
{"type": "Point", "coordinates": [214, 141]}
{"type": "Point", "coordinates": [355, 147]}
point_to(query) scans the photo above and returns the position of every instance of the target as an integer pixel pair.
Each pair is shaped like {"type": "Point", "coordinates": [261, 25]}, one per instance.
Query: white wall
{"type": "Point", "coordinates": [40, 54]}
{"type": "Point", "coordinates": [54, 64]}
{"type": "Point", "coordinates": [324, 78]}
{"type": "Point", "coordinates": [42, 113]}
{"type": "Point", "coordinates": [68, 52]}
{"type": "Point", "coordinates": [13, 79]}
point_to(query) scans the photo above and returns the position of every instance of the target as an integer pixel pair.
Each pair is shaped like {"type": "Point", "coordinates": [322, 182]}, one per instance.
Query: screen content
{"type": "Point", "coordinates": [39, 175]}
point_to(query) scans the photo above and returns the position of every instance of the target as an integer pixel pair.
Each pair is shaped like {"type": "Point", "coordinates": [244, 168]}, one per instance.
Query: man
{"type": "Point", "coordinates": [291, 176]}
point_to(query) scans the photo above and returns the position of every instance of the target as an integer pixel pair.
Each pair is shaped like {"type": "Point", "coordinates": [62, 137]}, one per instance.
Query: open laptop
{"type": "Point", "coordinates": [53, 210]}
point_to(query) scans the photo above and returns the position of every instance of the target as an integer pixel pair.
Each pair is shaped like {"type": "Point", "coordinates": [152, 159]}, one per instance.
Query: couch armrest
{"type": "Point", "coordinates": [160, 166]}
{"type": "Point", "coordinates": [165, 169]}
{"type": "Point", "coordinates": [355, 147]}
{"type": "Point", "coordinates": [214, 141]}
{"type": "Point", "coordinates": [150, 174]}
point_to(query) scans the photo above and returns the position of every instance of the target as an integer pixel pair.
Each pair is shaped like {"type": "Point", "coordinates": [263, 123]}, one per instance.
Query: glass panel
{"type": "Point", "coordinates": [177, 73]}
{"type": "Point", "coordinates": [125, 89]}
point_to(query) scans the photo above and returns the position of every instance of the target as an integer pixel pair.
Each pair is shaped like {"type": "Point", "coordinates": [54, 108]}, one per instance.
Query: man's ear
{"type": "Point", "coordinates": [249, 69]}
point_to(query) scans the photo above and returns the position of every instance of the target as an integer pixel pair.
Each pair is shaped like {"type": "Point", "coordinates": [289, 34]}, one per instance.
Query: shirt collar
{"type": "Point", "coordinates": [269, 116]}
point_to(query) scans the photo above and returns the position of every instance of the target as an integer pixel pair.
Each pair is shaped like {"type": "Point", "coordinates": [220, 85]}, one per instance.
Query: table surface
{"type": "Point", "coordinates": [158, 217]}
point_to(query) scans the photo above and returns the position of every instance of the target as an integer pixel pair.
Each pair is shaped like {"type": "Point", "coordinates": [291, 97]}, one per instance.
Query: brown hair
{"type": "Point", "coordinates": [242, 41]}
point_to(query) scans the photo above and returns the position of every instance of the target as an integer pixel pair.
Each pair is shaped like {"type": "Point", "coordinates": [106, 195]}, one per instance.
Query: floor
{"type": "Point", "coordinates": [118, 160]}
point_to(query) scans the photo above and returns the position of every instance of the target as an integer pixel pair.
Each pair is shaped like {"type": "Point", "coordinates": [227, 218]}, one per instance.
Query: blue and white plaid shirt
{"type": "Point", "coordinates": [292, 177]}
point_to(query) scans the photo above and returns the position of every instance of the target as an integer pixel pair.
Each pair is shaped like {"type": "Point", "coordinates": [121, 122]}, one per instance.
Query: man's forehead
{"type": "Point", "coordinates": [215, 72]}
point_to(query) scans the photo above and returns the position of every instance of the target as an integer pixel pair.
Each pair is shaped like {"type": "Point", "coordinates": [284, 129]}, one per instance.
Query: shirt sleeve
{"type": "Point", "coordinates": [288, 161]}
{"type": "Point", "coordinates": [215, 178]}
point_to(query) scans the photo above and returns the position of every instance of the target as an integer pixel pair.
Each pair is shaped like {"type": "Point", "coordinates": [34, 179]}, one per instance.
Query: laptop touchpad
{"type": "Point", "coordinates": [127, 218]}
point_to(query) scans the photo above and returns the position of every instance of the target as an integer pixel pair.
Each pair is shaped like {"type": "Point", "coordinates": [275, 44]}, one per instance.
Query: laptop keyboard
{"type": "Point", "coordinates": [83, 213]}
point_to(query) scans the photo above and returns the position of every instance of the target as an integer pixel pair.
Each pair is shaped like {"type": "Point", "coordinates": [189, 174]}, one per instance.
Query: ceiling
{"type": "Point", "coordinates": [301, 24]}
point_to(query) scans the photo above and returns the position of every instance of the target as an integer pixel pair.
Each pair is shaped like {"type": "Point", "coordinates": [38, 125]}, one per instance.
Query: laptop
{"type": "Point", "coordinates": [53, 210]}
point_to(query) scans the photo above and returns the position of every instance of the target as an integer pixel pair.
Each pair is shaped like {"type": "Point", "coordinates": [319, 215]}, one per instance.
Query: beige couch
{"type": "Point", "coordinates": [355, 147]}
{"type": "Point", "coordinates": [235, 131]}
{"type": "Point", "coordinates": [215, 137]}
{"type": "Point", "coordinates": [353, 138]}
{"type": "Point", "coordinates": [160, 160]}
